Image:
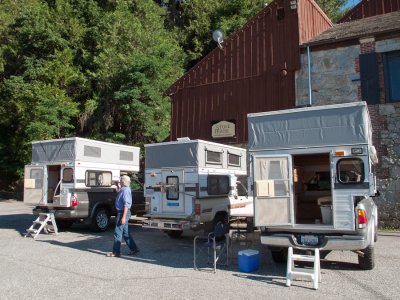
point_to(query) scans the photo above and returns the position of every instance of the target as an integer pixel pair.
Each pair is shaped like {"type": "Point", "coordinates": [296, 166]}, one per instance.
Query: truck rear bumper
{"type": "Point", "coordinates": [62, 214]}
{"type": "Point", "coordinates": [342, 242]}
{"type": "Point", "coordinates": [171, 224]}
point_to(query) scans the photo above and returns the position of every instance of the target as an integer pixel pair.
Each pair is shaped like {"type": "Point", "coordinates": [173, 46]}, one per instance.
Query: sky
{"type": "Point", "coordinates": [351, 3]}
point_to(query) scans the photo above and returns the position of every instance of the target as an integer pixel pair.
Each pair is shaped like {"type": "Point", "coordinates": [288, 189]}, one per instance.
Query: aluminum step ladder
{"type": "Point", "coordinates": [47, 222]}
{"type": "Point", "coordinates": [292, 272]}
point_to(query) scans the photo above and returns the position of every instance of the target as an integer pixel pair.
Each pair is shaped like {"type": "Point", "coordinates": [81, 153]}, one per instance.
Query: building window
{"type": "Point", "coordinates": [369, 76]}
{"type": "Point", "coordinates": [392, 76]}
{"type": "Point", "coordinates": [98, 178]}
{"type": "Point", "coordinates": [217, 185]}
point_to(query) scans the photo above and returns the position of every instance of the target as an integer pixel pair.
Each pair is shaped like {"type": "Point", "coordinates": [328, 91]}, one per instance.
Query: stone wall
{"type": "Point", "coordinates": [335, 78]}
{"type": "Point", "coordinates": [388, 180]}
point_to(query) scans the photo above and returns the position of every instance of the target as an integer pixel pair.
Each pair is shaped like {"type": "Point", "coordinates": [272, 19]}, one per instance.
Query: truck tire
{"type": "Point", "coordinates": [279, 256]}
{"type": "Point", "coordinates": [367, 262]}
{"type": "Point", "coordinates": [64, 224]}
{"type": "Point", "coordinates": [210, 226]}
{"type": "Point", "coordinates": [101, 219]}
{"type": "Point", "coordinates": [175, 234]}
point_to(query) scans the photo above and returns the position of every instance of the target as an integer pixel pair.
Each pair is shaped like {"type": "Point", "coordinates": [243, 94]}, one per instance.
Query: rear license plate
{"type": "Point", "coordinates": [309, 240]}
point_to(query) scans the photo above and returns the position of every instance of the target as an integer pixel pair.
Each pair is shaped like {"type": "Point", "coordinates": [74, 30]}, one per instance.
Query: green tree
{"type": "Point", "coordinates": [333, 8]}
{"type": "Point", "coordinates": [89, 68]}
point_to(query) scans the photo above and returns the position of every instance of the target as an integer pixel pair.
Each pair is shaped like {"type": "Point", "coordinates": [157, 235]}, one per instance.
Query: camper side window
{"type": "Point", "coordinates": [172, 188]}
{"type": "Point", "coordinates": [68, 175]}
{"type": "Point", "coordinates": [98, 178]}
{"type": "Point", "coordinates": [233, 160]}
{"type": "Point", "coordinates": [213, 157]}
{"type": "Point", "coordinates": [350, 170]}
{"type": "Point", "coordinates": [37, 174]}
{"type": "Point", "coordinates": [217, 185]}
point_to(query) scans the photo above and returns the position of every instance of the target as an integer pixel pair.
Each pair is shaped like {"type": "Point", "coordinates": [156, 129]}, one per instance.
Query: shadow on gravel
{"type": "Point", "coordinates": [155, 246]}
{"type": "Point", "coordinates": [19, 222]}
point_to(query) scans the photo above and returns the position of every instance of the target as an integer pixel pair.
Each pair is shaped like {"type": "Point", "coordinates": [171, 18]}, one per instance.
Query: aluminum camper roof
{"type": "Point", "coordinates": [188, 153]}
{"type": "Point", "coordinates": [329, 125]}
{"type": "Point", "coordinates": [86, 150]}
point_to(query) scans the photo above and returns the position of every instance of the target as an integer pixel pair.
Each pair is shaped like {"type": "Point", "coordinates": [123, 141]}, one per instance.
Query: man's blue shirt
{"type": "Point", "coordinates": [124, 198]}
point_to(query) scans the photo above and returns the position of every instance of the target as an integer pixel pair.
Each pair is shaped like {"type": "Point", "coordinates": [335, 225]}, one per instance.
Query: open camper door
{"type": "Point", "coordinates": [173, 194]}
{"type": "Point", "coordinates": [34, 185]}
{"type": "Point", "coordinates": [349, 179]}
{"type": "Point", "coordinates": [273, 203]}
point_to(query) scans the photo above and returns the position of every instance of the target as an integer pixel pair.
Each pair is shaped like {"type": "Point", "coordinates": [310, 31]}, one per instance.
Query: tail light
{"type": "Point", "coordinates": [197, 209]}
{"type": "Point", "coordinates": [74, 201]}
{"type": "Point", "coordinates": [362, 218]}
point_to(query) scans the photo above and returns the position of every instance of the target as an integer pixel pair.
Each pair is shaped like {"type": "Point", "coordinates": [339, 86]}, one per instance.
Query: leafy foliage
{"type": "Point", "coordinates": [82, 68]}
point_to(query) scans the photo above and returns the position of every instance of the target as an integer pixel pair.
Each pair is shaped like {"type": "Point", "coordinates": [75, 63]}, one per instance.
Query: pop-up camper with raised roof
{"type": "Point", "coordinates": [75, 178]}
{"type": "Point", "coordinates": [189, 183]}
{"type": "Point", "coordinates": [312, 179]}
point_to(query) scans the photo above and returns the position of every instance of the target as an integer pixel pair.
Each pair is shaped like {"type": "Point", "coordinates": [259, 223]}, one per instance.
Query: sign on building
{"type": "Point", "coordinates": [223, 129]}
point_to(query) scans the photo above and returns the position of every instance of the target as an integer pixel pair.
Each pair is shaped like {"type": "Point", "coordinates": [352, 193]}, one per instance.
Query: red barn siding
{"type": "Point", "coordinates": [245, 76]}
{"type": "Point", "coordinates": [370, 8]}
{"type": "Point", "coordinates": [312, 20]}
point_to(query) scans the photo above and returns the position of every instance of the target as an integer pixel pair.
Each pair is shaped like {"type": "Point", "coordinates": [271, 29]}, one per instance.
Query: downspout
{"type": "Point", "coordinates": [309, 76]}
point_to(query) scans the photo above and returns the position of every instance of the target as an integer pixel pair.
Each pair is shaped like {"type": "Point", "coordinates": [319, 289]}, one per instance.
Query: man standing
{"type": "Point", "coordinates": [123, 204]}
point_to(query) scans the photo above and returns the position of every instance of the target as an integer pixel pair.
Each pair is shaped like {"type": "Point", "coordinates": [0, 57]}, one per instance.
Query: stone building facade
{"type": "Point", "coordinates": [336, 76]}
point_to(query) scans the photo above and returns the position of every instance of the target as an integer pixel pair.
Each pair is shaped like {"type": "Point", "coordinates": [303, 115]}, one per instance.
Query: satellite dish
{"type": "Point", "coordinates": [218, 36]}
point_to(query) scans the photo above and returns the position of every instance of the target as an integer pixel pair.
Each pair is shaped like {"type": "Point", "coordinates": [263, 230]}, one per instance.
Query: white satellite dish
{"type": "Point", "coordinates": [218, 36]}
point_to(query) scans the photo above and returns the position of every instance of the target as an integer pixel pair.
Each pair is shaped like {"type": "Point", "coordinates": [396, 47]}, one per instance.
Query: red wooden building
{"type": "Point", "coordinates": [254, 71]}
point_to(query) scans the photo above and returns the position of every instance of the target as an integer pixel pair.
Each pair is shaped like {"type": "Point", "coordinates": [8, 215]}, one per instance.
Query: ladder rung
{"type": "Point", "coordinates": [298, 257]}
{"type": "Point", "coordinates": [32, 230]}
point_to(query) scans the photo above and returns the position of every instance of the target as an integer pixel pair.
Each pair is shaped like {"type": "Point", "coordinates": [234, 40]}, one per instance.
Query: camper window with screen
{"type": "Point", "coordinates": [213, 157]}
{"type": "Point", "coordinates": [173, 188]}
{"type": "Point", "coordinates": [233, 160]}
{"type": "Point", "coordinates": [350, 170]}
{"type": "Point", "coordinates": [37, 174]}
{"type": "Point", "coordinates": [68, 175]}
{"type": "Point", "coordinates": [98, 178]}
{"type": "Point", "coordinates": [217, 185]}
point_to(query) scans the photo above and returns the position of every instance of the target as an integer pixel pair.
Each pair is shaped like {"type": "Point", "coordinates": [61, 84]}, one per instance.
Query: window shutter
{"type": "Point", "coordinates": [369, 78]}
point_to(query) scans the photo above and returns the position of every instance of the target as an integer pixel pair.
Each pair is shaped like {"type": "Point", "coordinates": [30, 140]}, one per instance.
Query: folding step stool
{"type": "Point", "coordinates": [292, 272]}
{"type": "Point", "coordinates": [47, 222]}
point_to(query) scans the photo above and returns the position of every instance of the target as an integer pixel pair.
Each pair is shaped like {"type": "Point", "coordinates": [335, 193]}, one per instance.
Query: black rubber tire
{"type": "Point", "coordinates": [368, 261]}
{"type": "Point", "coordinates": [101, 219]}
{"type": "Point", "coordinates": [279, 256]}
{"type": "Point", "coordinates": [64, 224]}
{"type": "Point", "coordinates": [175, 234]}
{"type": "Point", "coordinates": [217, 221]}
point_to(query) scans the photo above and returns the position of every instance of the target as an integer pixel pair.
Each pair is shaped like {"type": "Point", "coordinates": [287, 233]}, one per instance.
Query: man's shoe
{"type": "Point", "coordinates": [110, 254]}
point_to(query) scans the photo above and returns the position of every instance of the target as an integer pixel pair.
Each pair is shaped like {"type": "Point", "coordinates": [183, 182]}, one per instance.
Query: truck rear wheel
{"type": "Point", "coordinates": [175, 234]}
{"type": "Point", "coordinates": [279, 256]}
{"type": "Point", "coordinates": [367, 261]}
{"type": "Point", "coordinates": [64, 224]}
{"type": "Point", "coordinates": [101, 219]}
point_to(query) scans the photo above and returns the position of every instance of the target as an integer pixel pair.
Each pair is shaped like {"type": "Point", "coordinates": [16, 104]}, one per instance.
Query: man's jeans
{"type": "Point", "coordinates": [121, 231]}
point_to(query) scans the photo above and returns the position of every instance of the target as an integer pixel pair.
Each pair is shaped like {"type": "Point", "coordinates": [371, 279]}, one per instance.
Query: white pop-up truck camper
{"type": "Point", "coordinates": [312, 179]}
{"type": "Point", "coordinates": [189, 183]}
{"type": "Point", "coordinates": [75, 177]}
